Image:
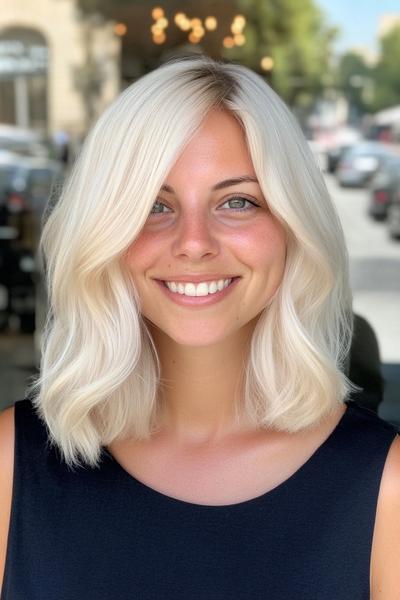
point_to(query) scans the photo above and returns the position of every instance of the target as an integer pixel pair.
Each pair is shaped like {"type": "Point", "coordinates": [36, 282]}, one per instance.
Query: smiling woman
{"type": "Point", "coordinates": [210, 241]}
{"type": "Point", "coordinates": [192, 385]}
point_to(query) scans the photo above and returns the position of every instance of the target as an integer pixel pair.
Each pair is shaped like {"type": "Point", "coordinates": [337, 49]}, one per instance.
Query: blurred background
{"type": "Point", "coordinates": [334, 63]}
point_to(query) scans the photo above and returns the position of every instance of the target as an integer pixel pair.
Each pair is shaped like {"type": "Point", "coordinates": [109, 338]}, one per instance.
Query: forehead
{"type": "Point", "coordinates": [217, 149]}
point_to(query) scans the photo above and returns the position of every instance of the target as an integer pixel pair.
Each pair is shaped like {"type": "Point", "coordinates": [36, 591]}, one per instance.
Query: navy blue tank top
{"type": "Point", "coordinates": [101, 534]}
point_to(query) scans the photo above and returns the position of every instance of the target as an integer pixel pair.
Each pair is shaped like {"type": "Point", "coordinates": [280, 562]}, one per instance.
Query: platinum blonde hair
{"type": "Point", "coordinates": [99, 375]}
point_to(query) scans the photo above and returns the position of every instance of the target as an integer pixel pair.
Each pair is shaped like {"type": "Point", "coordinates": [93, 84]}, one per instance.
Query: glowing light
{"type": "Point", "coordinates": [266, 63]}
{"type": "Point", "coordinates": [240, 39]}
{"type": "Point", "coordinates": [240, 21]}
{"type": "Point", "coordinates": [211, 23]}
{"type": "Point", "coordinates": [156, 29]}
{"type": "Point", "coordinates": [193, 38]}
{"type": "Point", "coordinates": [120, 29]}
{"type": "Point", "coordinates": [179, 17]}
{"type": "Point", "coordinates": [195, 23]}
{"type": "Point", "coordinates": [157, 13]}
{"type": "Point", "coordinates": [159, 38]}
{"type": "Point", "coordinates": [236, 28]}
{"type": "Point", "coordinates": [185, 25]}
{"type": "Point", "coordinates": [228, 42]}
{"type": "Point", "coordinates": [199, 31]}
{"type": "Point", "coordinates": [162, 22]}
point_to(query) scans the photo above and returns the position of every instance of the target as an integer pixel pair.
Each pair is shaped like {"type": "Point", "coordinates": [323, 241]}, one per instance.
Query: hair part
{"type": "Point", "coordinates": [100, 376]}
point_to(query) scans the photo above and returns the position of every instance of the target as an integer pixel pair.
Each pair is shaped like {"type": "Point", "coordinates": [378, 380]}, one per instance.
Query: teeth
{"type": "Point", "coordinates": [200, 289]}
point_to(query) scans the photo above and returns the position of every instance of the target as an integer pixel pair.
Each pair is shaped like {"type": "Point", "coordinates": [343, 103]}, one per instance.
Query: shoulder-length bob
{"type": "Point", "coordinates": [100, 375]}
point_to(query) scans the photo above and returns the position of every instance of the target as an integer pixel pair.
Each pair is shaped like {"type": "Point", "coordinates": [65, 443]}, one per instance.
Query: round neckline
{"type": "Point", "coordinates": [281, 487]}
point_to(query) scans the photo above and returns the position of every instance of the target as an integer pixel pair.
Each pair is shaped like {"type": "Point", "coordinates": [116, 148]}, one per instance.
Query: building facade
{"type": "Point", "coordinates": [58, 70]}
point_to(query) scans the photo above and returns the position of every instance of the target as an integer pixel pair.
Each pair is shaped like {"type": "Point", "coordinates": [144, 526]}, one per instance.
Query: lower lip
{"type": "Point", "coordinates": [194, 301]}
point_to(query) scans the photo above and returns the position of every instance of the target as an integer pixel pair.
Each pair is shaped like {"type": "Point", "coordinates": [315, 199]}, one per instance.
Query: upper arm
{"type": "Point", "coordinates": [385, 558]}
{"type": "Point", "coordinates": [6, 480]}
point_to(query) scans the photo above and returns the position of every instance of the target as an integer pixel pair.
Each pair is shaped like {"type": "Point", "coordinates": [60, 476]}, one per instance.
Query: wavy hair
{"type": "Point", "coordinates": [99, 375]}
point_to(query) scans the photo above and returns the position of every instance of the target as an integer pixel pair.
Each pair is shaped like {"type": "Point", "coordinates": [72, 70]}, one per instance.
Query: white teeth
{"type": "Point", "coordinates": [201, 289]}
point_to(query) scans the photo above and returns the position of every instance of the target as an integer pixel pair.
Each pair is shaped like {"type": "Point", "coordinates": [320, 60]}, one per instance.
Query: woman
{"type": "Point", "coordinates": [192, 379]}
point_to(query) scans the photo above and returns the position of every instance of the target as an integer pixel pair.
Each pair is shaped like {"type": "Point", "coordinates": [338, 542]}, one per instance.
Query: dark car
{"type": "Point", "coordinates": [361, 162]}
{"type": "Point", "coordinates": [393, 215]}
{"type": "Point", "coordinates": [383, 186]}
{"type": "Point", "coordinates": [24, 200]}
{"type": "Point", "coordinates": [8, 165]}
{"type": "Point", "coordinates": [334, 156]}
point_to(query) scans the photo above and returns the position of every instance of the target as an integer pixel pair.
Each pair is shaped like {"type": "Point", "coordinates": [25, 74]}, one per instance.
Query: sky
{"type": "Point", "coordinates": [358, 20]}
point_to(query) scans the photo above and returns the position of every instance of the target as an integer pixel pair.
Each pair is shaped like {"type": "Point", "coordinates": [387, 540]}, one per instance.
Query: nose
{"type": "Point", "coordinates": [195, 239]}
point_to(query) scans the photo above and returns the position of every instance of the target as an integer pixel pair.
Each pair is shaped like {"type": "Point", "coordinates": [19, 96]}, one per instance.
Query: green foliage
{"type": "Point", "coordinates": [387, 72]}
{"type": "Point", "coordinates": [354, 78]}
{"type": "Point", "coordinates": [295, 36]}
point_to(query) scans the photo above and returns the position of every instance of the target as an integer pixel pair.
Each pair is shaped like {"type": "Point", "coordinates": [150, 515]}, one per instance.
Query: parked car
{"type": "Point", "coordinates": [360, 163]}
{"type": "Point", "coordinates": [393, 215]}
{"type": "Point", "coordinates": [383, 186]}
{"type": "Point", "coordinates": [29, 186]}
{"type": "Point", "coordinates": [26, 142]}
{"type": "Point", "coordinates": [8, 164]}
{"type": "Point", "coordinates": [334, 156]}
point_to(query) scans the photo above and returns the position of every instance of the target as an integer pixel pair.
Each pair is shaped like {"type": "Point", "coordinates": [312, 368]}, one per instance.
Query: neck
{"type": "Point", "coordinates": [200, 386]}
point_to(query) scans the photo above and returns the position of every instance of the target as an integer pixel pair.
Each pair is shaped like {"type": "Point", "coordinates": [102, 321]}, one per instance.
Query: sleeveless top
{"type": "Point", "coordinates": [101, 534]}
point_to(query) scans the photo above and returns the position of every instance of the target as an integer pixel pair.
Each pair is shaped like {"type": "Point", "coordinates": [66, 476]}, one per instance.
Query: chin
{"type": "Point", "coordinates": [199, 335]}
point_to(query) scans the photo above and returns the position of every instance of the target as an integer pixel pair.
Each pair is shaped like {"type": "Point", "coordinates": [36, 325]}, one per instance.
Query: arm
{"type": "Point", "coordinates": [6, 479]}
{"type": "Point", "coordinates": [385, 558]}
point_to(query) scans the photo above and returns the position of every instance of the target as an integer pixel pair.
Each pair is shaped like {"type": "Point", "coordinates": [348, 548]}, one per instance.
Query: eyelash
{"type": "Point", "coordinates": [254, 205]}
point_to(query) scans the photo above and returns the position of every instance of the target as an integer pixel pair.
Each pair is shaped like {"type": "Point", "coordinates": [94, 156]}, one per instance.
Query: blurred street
{"type": "Point", "coordinates": [375, 276]}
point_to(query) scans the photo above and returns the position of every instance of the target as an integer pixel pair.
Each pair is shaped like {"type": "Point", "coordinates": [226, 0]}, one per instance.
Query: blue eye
{"type": "Point", "coordinates": [239, 203]}
{"type": "Point", "coordinates": [236, 203]}
{"type": "Point", "coordinates": [158, 208]}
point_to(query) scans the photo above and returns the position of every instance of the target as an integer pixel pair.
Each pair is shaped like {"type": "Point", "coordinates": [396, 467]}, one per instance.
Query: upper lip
{"type": "Point", "coordinates": [197, 278]}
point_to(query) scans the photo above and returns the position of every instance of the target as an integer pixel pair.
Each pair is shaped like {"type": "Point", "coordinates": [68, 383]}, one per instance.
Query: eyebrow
{"type": "Point", "coordinates": [221, 184]}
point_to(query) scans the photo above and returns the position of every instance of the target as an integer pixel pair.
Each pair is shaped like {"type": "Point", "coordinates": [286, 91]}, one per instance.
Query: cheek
{"type": "Point", "coordinates": [141, 253]}
{"type": "Point", "coordinates": [263, 244]}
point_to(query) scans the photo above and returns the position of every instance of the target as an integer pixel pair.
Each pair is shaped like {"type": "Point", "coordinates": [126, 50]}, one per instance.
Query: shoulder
{"type": "Point", "coordinates": [6, 479]}
{"type": "Point", "coordinates": [385, 563]}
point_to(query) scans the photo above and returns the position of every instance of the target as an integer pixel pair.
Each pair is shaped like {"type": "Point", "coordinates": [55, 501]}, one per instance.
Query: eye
{"type": "Point", "coordinates": [239, 203]}
{"type": "Point", "coordinates": [158, 208]}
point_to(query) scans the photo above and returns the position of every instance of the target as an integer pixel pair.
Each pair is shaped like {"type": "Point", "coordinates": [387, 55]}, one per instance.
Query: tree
{"type": "Point", "coordinates": [354, 78]}
{"type": "Point", "coordinates": [386, 73]}
{"type": "Point", "coordinates": [296, 37]}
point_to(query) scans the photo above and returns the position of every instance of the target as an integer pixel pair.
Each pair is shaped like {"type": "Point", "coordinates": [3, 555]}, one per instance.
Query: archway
{"type": "Point", "coordinates": [23, 78]}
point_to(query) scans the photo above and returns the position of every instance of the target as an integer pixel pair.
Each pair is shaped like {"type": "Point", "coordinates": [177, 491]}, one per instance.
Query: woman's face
{"type": "Point", "coordinates": [210, 228]}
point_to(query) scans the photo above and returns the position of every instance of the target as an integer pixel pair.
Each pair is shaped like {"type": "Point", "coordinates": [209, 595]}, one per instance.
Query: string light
{"type": "Point", "coordinates": [228, 42]}
{"type": "Point", "coordinates": [193, 38]}
{"type": "Point", "coordinates": [239, 39]}
{"type": "Point", "coordinates": [266, 63]}
{"type": "Point", "coordinates": [240, 21]}
{"type": "Point", "coordinates": [156, 29]}
{"type": "Point", "coordinates": [157, 13]}
{"type": "Point", "coordinates": [211, 23]}
{"type": "Point", "coordinates": [179, 17]}
{"type": "Point", "coordinates": [159, 38]}
{"type": "Point", "coordinates": [162, 23]}
{"type": "Point", "coordinates": [120, 29]}
{"type": "Point", "coordinates": [195, 23]}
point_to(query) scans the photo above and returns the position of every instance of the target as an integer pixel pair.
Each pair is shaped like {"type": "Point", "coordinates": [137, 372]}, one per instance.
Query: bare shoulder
{"type": "Point", "coordinates": [6, 478]}
{"type": "Point", "coordinates": [385, 563]}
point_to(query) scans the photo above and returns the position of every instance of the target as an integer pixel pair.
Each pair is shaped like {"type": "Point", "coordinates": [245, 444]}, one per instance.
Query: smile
{"type": "Point", "coordinates": [203, 288]}
{"type": "Point", "coordinates": [197, 294]}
